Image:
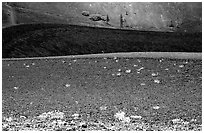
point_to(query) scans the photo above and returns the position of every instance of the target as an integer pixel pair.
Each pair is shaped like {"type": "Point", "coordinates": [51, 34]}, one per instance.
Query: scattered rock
{"type": "Point", "coordinates": [97, 17]}
{"type": "Point", "coordinates": [128, 71]}
{"type": "Point", "coordinates": [177, 121]}
{"type": "Point", "coordinates": [156, 81]}
{"type": "Point", "coordinates": [85, 13]}
{"type": "Point", "coordinates": [181, 66]}
{"type": "Point", "coordinates": [142, 84]}
{"type": "Point", "coordinates": [51, 115]}
{"type": "Point", "coordinates": [103, 108]}
{"type": "Point", "coordinates": [156, 107]}
{"type": "Point", "coordinates": [121, 117]}
{"type": "Point", "coordinates": [67, 85]}
{"type": "Point", "coordinates": [136, 116]}
{"type": "Point", "coordinates": [16, 88]}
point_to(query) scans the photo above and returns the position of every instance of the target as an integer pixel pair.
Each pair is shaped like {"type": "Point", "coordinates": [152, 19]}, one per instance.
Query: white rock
{"type": "Point", "coordinates": [156, 107]}
{"type": "Point", "coordinates": [16, 88]}
{"type": "Point", "coordinates": [9, 119]}
{"type": "Point", "coordinates": [126, 120]}
{"type": "Point", "coordinates": [128, 71]}
{"type": "Point", "coordinates": [136, 116]}
{"type": "Point", "coordinates": [58, 115]}
{"type": "Point", "coordinates": [156, 81]}
{"type": "Point", "coordinates": [103, 108]}
{"type": "Point", "coordinates": [76, 116]}
{"type": "Point", "coordinates": [67, 85]}
{"type": "Point", "coordinates": [118, 74]}
{"type": "Point", "coordinates": [140, 68]}
{"type": "Point", "coordinates": [181, 66]}
{"type": "Point", "coordinates": [142, 84]}
{"type": "Point", "coordinates": [120, 115]}
{"type": "Point", "coordinates": [161, 60]}
{"type": "Point", "coordinates": [177, 120]}
{"type": "Point", "coordinates": [154, 74]}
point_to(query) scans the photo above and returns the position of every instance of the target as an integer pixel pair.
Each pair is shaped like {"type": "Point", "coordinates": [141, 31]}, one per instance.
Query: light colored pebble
{"type": "Point", "coordinates": [118, 74]}
{"type": "Point", "coordinates": [126, 120]}
{"type": "Point", "coordinates": [9, 119]}
{"type": "Point", "coordinates": [67, 85]}
{"type": "Point", "coordinates": [140, 68]}
{"type": "Point", "coordinates": [177, 120]}
{"type": "Point", "coordinates": [156, 81]}
{"type": "Point", "coordinates": [136, 116]}
{"type": "Point", "coordinates": [128, 71]}
{"type": "Point", "coordinates": [76, 116]}
{"type": "Point", "coordinates": [154, 74]}
{"type": "Point", "coordinates": [181, 66]}
{"type": "Point", "coordinates": [142, 84]}
{"type": "Point", "coordinates": [120, 115]}
{"type": "Point", "coordinates": [161, 60]}
{"type": "Point", "coordinates": [16, 88]}
{"type": "Point", "coordinates": [103, 108]}
{"type": "Point", "coordinates": [156, 107]}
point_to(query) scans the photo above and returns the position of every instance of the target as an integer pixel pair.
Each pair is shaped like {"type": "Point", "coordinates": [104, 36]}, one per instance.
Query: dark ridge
{"type": "Point", "coordinates": [46, 39]}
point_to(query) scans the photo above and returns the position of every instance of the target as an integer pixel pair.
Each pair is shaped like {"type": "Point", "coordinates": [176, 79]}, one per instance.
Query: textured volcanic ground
{"type": "Point", "coordinates": [43, 40]}
{"type": "Point", "coordinates": [102, 93]}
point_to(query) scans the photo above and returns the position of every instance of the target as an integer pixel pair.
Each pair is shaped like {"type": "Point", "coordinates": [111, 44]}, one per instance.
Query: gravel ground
{"type": "Point", "coordinates": [111, 94]}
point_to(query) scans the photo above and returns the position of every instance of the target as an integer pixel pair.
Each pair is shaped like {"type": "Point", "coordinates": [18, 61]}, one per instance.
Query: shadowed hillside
{"type": "Point", "coordinates": [40, 40]}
